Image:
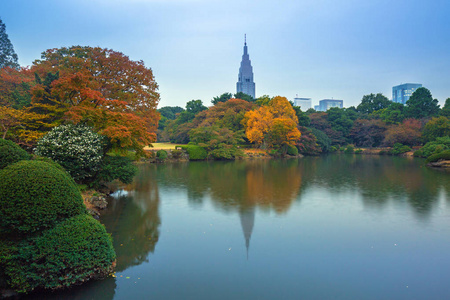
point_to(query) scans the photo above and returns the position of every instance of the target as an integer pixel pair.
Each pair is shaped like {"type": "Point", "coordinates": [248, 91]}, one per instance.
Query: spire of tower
{"type": "Point", "coordinates": [245, 39]}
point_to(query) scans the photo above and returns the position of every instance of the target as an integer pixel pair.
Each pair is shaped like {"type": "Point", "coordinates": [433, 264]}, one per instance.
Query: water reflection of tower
{"type": "Point", "coordinates": [247, 217]}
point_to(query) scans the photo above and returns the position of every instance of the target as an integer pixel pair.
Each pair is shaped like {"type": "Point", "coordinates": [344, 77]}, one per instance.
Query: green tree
{"type": "Point", "coordinates": [421, 104]}
{"type": "Point", "coordinates": [303, 118]}
{"type": "Point", "coordinates": [222, 98]}
{"type": "Point", "coordinates": [436, 127]}
{"type": "Point", "coordinates": [372, 102]}
{"type": "Point", "coordinates": [8, 58]}
{"type": "Point", "coordinates": [244, 96]}
{"type": "Point", "coordinates": [393, 114]}
{"type": "Point", "coordinates": [445, 111]}
{"type": "Point", "coordinates": [170, 112]}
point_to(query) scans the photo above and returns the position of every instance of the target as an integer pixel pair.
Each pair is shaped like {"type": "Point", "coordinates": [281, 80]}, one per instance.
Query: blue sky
{"type": "Point", "coordinates": [341, 49]}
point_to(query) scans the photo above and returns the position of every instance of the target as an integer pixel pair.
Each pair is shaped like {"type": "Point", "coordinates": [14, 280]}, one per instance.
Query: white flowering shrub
{"type": "Point", "coordinates": [75, 147]}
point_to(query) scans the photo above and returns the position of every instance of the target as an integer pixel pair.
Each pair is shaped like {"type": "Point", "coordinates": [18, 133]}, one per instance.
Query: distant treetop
{"type": "Point", "coordinates": [8, 58]}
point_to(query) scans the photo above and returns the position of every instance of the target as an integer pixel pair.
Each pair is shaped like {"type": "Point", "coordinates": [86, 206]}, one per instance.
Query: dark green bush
{"type": "Point", "coordinates": [418, 153]}
{"type": "Point", "coordinates": [72, 252]}
{"type": "Point", "coordinates": [439, 145]}
{"type": "Point", "coordinates": [358, 151]}
{"type": "Point", "coordinates": [196, 152]}
{"type": "Point", "coordinates": [349, 150]}
{"type": "Point", "coordinates": [438, 156]}
{"type": "Point", "coordinates": [10, 153]}
{"type": "Point", "coordinates": [399, 149]}
{"type": "Point", "coordinates": [117, 167]}
{"type": "Point", "coordinates": [48, 160]}
{"type": "Point", "coordinates": [35, 195]}
{"type": "Point", "coordinates": [292, 150]}
{"type": "Point", "coordinates": [161, 155]}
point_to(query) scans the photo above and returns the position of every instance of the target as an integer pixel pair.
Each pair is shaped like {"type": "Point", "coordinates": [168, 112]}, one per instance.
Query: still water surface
{"type": "Point", "coordinates": [333, 227]}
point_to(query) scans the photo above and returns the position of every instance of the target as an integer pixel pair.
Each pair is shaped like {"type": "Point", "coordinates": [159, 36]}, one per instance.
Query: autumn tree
{"type": "Point", "coordinates": [101, 88]}
{"type": "Point", "coordinates": [8, 57]}
{"type": "Point", "coordinates": [368, 133]}
{"type": "Point", "coordinates": [409, 132]}
{"type": "Point", "coordinates": [273, 125]}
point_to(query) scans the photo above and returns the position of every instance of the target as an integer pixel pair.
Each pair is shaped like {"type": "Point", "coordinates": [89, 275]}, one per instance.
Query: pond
{"type": "Point", "coordinates": [331, 227]}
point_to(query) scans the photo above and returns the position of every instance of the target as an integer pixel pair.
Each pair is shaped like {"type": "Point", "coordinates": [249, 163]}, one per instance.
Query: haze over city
{"type": "Point", "coordinates": [316, 49]}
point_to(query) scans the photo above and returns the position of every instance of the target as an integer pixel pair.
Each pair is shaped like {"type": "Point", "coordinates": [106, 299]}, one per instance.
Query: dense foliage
{"type": "Point", "coordinates": [11, 153]}
{"type": "Point", "coordinates": [274, 124]}
{"type": "Point", "coordinates": [75, 147]}
{"type": "Point", "coordinates": [74, 251]}
{"type": "Point", "coordinates": [35, 195]}
{"type": "Point", "coordinates": [98, 87]}
{"type": "Point", "coordinates": [195, 152]}
{"type": "Point", "coordinates": [116, 168]}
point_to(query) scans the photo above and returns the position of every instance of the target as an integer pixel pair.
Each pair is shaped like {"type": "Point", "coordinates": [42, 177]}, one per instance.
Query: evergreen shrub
{"type": "Point", "coordinates": [72, 252]}
{"type": "Point", "coordinates": [292, 150]}
{"type": "Point", "coordinates": [349, 150]}
{"type": "Point", "coordinates": [399, 149]}
{"type": "Point", "coordinates": [75, 147]}
{"type": "Point", "coordinates": [161, 155]}
{"type": "Point", "coordinates": [195, 152]}
{"type": "Point", "coordinates": [438, 156]}
{"type": "Point", "coordinates": [117, 167]}
{"type": "Point", "coordinates": [35, 195]}
{"type": "Point", "coordinates": [10, 153]}
{"type": "Point", "coordinates": [439, 145]}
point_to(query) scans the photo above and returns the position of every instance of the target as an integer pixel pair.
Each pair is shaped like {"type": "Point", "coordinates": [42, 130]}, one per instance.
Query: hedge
{"type": "Point", "coordinates": [36, 195]}
{"type": "Point", "coordinates": [436, 157]}
{"type": "Point", "coordinates": [73, 252]}
{"type": "Point", "coordinates": [195, 152]}
{"type": "Point", "coordinates": [11, 153]}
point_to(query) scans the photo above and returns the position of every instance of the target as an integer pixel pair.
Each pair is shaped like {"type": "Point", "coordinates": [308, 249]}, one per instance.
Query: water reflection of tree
{"type": "Point", "coordinates": [270, 185]}
{"type": "Point", "coordinates": [379, 179]}
{"type": "Point", "coordinates": [133, 219]}
{"type": "Point", "coordinates": [94, 289]}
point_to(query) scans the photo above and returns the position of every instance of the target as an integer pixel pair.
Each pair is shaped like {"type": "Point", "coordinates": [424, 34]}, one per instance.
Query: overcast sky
{"type": "Point", "coordinates": [341, 49]}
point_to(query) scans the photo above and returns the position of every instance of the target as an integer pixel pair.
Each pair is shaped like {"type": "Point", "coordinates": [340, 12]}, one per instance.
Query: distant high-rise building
{"type": "Point", "coordinates": [402, 92]}
{"type": "Point", "coordinates": [317, 107]}
{"type": "Point", "coordinates": [245, 82]}
{"type": "Point", "coordinates": [303, 103]}
{"type": "Point", "coordinates": [326, 104]}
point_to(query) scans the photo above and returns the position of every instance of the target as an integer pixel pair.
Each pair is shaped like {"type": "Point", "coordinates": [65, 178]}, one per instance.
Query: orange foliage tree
{"type": "Point", "coordinates": [273, 125]}
{"type": "Point", "coordinates": [98, 87]}
{"type": "Point", "coordinates": [409, 132]}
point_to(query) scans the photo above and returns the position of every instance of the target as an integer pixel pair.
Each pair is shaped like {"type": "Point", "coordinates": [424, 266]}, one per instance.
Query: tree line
{"type": "Point", "coordinates": [275, 124]}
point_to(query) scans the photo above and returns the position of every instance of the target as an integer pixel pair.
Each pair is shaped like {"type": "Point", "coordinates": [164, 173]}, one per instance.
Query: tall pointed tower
{"type": "Point", "coordinates": [245, 82]}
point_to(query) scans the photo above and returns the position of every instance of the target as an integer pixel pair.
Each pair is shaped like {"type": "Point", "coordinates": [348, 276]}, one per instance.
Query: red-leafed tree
{"type": "Point", "coordinates": [101, 88]}
{"type": "Point", "coordinates": [409, 132]}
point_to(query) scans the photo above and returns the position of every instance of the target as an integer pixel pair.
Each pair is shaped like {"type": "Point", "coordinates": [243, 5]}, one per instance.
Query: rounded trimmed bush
{"type": "Point", "coordinates": [11, 153]}
{"type": "Point", "coordinates": [161, 154]}
{"type": "Point", "coordinates": [75, 147]}
{"type": "Point", "coordinates": [35, 195]}
{"type": "Point", "coordinates": [72, 252]}
{"type": "Point", "coordinates": [196, 152]}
